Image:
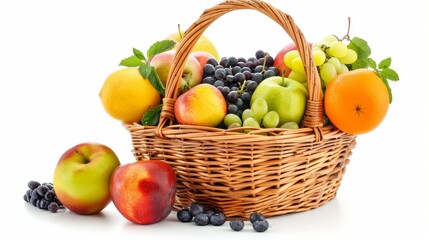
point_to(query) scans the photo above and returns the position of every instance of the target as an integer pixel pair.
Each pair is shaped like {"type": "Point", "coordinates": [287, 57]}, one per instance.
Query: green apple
{"type": "Point", "coordinates": [82, 177]}
{"type": "Point", "coordinates": [285, 96]}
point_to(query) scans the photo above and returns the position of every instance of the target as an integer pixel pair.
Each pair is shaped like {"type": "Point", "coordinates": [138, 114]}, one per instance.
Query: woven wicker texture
{"type": "Point", "coordinates": [272, 171]}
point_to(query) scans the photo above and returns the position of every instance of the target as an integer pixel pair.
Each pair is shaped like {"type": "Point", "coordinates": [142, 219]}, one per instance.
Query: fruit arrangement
{"type": "Point", "coordinates": [232, 132]}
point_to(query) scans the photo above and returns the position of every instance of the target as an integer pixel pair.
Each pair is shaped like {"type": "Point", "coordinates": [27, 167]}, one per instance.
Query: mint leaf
{"type": "Point", "coordinates": [371, 63]}
{"type": "Point", "coordinates": [389, 90]}
{"type": "Point", "coordinates": [385, 63]}
{"type": "Point", "coordinates": [132, 61]}
{"type": "Point", "coordinates": [389, 74]}
{"type": "Point", "coordinates": [145, 70]}
{"type": "Point", "coordinates": [360, 63]}
{"type": "Point", "coordinates": [138, 54]}
{"type": "Point", "coordinates": [151, 117]}
{"type": "Point", "coordinates": [159, 47]}
{"type": "Point", "coordinates": [149, 72]}
{"type": "Point", "coordinates": [360, 46]}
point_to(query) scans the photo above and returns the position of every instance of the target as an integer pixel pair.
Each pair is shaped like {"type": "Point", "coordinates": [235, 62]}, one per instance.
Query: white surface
{"type": "Point", "coordinates": [55, 55]}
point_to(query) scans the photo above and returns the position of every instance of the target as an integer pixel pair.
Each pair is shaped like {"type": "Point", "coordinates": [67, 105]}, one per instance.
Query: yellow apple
{"type": "Point", "coordinates": [203, 44]}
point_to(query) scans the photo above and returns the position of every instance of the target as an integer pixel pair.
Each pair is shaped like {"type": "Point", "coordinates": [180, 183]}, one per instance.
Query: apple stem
{"type": "Point", "coordinates": [85, 161]}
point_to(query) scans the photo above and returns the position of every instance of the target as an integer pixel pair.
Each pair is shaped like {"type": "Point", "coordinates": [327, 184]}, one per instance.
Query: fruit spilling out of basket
{"type": "Point", "coordinates": [236, 96]}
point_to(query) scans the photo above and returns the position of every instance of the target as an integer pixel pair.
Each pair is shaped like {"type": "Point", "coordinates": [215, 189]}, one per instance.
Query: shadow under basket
{"type": "Point", "coordinates": [271, 171]}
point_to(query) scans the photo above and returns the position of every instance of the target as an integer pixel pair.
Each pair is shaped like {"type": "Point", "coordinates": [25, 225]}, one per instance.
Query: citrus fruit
{"type": "Point", "coordinates": [126, 95]}
{"type": "Point", "coordinates": [357, 101]}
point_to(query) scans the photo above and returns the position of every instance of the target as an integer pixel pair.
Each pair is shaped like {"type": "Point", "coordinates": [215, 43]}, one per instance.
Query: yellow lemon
{"type": "Point", "coordinates": [126, 95]}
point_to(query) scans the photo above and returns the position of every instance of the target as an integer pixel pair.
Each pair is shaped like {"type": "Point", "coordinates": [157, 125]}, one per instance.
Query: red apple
{"type": "Point", "coordinates": [192, 72]}
{"type": "Point", "coordinates": [144, 191]}
{"type": "Point", "coordinates": [202, 57]}
{"type": "Point", "coordinates": [278, 60]}
{"type": "Point", "coordinates": [82, 177]}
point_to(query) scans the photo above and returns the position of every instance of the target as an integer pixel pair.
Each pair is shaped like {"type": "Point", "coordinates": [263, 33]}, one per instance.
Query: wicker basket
{"type": "Point", "coordinates": [275, 173]}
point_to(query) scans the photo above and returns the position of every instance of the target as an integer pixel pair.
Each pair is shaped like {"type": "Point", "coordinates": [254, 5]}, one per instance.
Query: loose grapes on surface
{"type": "Point", "coordinates": [42, 196]}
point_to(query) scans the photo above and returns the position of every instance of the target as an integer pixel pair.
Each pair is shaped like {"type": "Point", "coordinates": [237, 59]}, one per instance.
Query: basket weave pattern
{"type": "Point", "coordinates": [272, 171]}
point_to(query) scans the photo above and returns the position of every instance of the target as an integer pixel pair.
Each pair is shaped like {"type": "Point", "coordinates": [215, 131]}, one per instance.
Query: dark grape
{"type": "Point", "coordinates": [257, 77]}
{"type": "Point", "coordinates": [53, 207]}
{"type": "Point", "coordinates": [50, 195]}
{"type": "Point", "coordinates": [42, 190]}
{"type": "Point", "coordinates": [232, 61]}
{"type": "Point", "coordinates": [239, 77]}
{"type": "Point", "coordinates": [236, 69]}
{"type": "Point", "coordinates": [269, 62]}
{"type": "Point", "coordinates": [258, 69]}
{"type": "Point", "coordinates": [232, 96]}
{"type": "Point", "coordinates": [224, 62]}
{"type": "Point", "coordinates": [229, 78]}
{"type": "Point", "coordinates": [276, 70]}
{"type": "Point", "coordinates": [208, 70]}
{"type": "Point", "coordinates": [202, 219]}
{"type": "Point", "coordinates": [242, 59]}
{"type": "Point", "coordinates": [259, 54]}
{"type": "Point", "coordinates": [269, 73]}
{"type": "Point", "coordinates": [218, 83]}
{"type": "Point", "coordinates": [251, 85]}
{"type": "Point", "coordinates": [209, 79]}
{"type": "Point", "coordinates": [239, 103]}
{"type": "Point", "coordinates": [212, 61]}
{"type": "Point", "coordinates": [33, 184]}
{"type": "Point", "coordinates": [232, 108]}
{"type": "Point", "coordinates": [246, 96]}
{"type": "Point", "coordinates": [220, 73]}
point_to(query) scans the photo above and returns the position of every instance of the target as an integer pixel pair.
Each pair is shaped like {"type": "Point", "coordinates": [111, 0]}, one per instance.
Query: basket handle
{"type": "Point", "coordinates": [313, 116]}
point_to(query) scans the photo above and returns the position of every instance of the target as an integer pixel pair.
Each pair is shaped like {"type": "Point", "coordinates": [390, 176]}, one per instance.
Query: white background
{"type": "Point", "coordinates": [55, 55]}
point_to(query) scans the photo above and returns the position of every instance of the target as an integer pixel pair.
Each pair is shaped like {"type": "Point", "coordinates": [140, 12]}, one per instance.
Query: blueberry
{"type": "Point", "coordinates": [184, 215]}
{"type": "Point", "coordinates": [256, 217]}
{"type": "Point", "coordinates": [217, 219]}
{"type": "Point", "coordinates": [202, 219]}
{"type": "Point", "coordinates": [261, 225]}
{"type": "Point", "coordinates": [196, 209]}
{"type": "Point", "coordinates": [236, 225]}
{"type": "Point", "coordinates": [209, 213]}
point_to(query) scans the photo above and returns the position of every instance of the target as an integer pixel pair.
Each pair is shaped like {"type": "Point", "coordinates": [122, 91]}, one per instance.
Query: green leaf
{"type": "Point", "coordinates": [149, 72]}
{"type": "Point", "coordinates": [139, 54]}
{"type": "Point", "coordinates": [389, 90]}
{"type": "Point", "coordinates": [385, 63]}
{"type": "Point", "coordinates": [360, 46]}
{"type": "Point", "coordinates": [360, 63]}
{"type": "Point", "coordinates": [132, 61]}
{"type": "Point", "coordinates": [151, 117]}
{"type": "Point", "coordinates": [389, 74]}
{"type": "Point", "coordinates": [371, 63]}
{"type": "Point", "coordinates": [159, 47]}
{"type": "Point", "coordinates": [145, 70]}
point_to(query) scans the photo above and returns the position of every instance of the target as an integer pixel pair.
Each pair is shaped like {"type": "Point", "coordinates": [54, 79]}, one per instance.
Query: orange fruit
{"type": "Point", "coordinates": [357, 101]}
